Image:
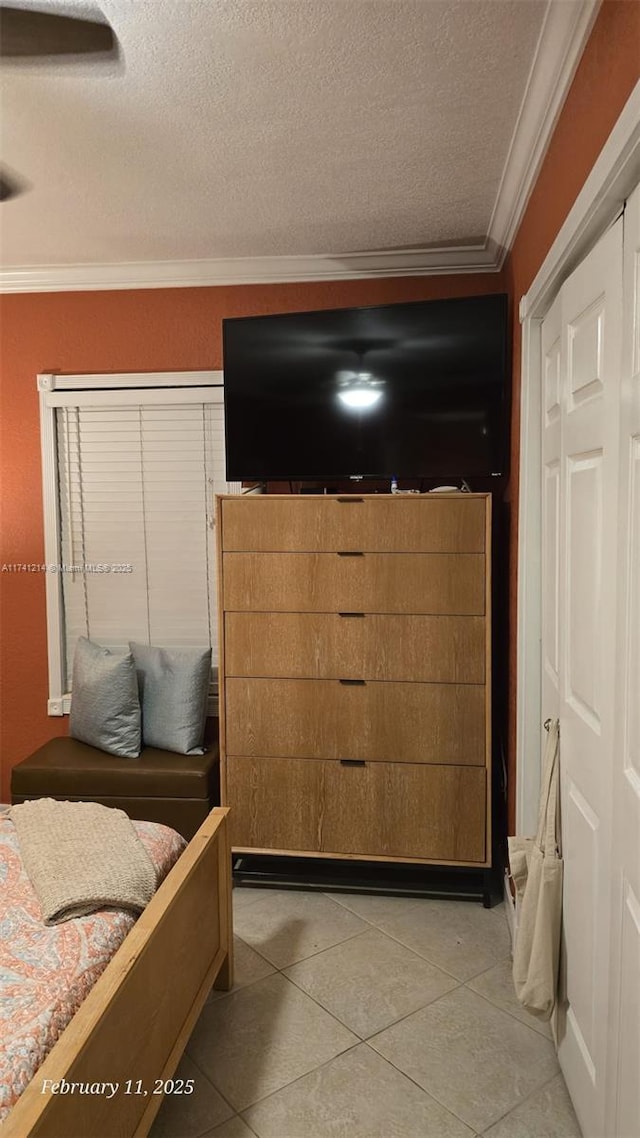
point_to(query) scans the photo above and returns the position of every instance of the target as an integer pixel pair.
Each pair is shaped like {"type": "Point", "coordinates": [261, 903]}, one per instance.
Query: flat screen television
{"type": "Point", "coordinates": [415, 391]}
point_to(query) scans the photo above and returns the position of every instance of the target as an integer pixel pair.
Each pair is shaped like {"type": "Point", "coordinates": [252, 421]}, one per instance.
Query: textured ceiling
{"type": "Point", "coordinates": [247, 128]}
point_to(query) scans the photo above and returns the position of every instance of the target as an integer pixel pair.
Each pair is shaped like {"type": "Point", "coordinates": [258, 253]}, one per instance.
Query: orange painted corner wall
{"type": "Point", "coordinates": [180, 329]}
{"type": "Point", "coordinates": [607, 74]}
{"type": "Point", "coordinates": [78, 332]}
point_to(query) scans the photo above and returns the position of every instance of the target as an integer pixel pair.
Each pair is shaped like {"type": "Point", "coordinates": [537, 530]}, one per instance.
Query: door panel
{"type": "Point", "coordinates": [631, 612]}
{"type": "Point", "coordinates": [581, 356]}
{"type": "Point", "coordinates": [582, 862]}
{"type": "Point", "coordinates": [551, 468]}
{"type": "Point", "coordinates": [584, 602]}
{"type": "Point", "coordinates": [551, 509]}
{"type": "Point", "coordinates": [585, 355]}
{"type": "Point", "coordinates": [552, 369]}
{"type": "Point", "coordinates": [626, 1091]}
{"type": "Point", "coordinates": [623, 1098]}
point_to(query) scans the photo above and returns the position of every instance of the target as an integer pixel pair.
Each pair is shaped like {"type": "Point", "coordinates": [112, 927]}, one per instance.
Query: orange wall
{"type": "Point", "coordinates": [151, 330]}
{"type": "Point", "coordinates": [608, 72]}
{"type": "Point", "coordinates": [180, 329]}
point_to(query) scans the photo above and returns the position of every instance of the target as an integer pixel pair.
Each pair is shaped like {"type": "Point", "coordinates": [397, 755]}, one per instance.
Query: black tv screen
{"type": "Point", "coordinates": [412, 390]}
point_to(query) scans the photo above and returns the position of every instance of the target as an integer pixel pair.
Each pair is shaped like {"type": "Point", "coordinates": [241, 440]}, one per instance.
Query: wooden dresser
{"type": "Point", "coordinates": [355, 702]}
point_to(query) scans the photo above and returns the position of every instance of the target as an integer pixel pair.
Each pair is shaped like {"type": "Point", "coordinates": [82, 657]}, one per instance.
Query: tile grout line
{"type": "Point", "coordinates": [493, 911]}
{"type": "Point", "coordinates": [379, 1030]}
{"type": "Point", "coordinates": [384, 932]}
{"type": "Point", "coordinates": [333, 1014]}
{"type": "Point", "coordinates": [429, 1094]}
{"type": "Point", "coordinates": [237, 988]}
{"type": "Point", "coordinates": [212, 1132]}
{"type": "Point", "coordinates": [281, 967]}
{"type": "Point", "coordinates": [360, 1041]}
{"type": "Point", "coordinates": [212, 1085]}
{"type": "Point", "coordinates": [365, 1040]}
{"type": "Point", "coordinates": [365, 1043]}
{"type": "Point", "coordinates": [376, 895]}
{"type": "Point", "coordinates": [420, 954]}
{"type": "Point", "coordinates": [304, 1075]}
{"type": "Point", "coordinates": [501, 1008]}
{"type": "Point", "coordinates": [322, 1007]}
{"type": "Point", "coordinates": [276, 968]}
{"type": "Point", "coordinates": [299, 1079]}
{"type": "Point", "coordinates": [430, 961]}
{"type": "Point", "coordinates": [281, 970]}
{"type": "Point", "coordinates": [381, 932]}
{"type": "Point", "coordinates": [535, 1091]}
{"type": "Point", "coordinates": [250, 946]}
{"type": "Point", "coordinates": [350, 1047]}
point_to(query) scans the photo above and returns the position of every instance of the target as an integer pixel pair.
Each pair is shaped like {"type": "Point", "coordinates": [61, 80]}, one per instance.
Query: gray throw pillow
{"type": "Point", "coordinates": [105, 708]}
{"type": "Point", "coordinates": [174, 687]}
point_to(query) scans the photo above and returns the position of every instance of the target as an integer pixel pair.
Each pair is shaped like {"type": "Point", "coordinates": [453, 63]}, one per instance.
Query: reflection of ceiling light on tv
{"type": "Point", "coordinates": [359, 397]}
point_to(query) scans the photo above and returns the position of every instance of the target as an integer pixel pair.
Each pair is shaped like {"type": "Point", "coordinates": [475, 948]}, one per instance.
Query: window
{"type": "Point", "coordinates": [131, 465]}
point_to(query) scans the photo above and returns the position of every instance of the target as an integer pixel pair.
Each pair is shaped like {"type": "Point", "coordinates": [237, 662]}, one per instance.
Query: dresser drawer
{"type": "Point", "coordinates": [399, 722]}
{"type": "Point", "coordinates": [275, 803]}
{"type": "Point", "coordinates": [448, 583]}
{"type": "Point", "coordinates": [371, 646]}
{"type": "Point", "coordinates": [374, 810]}
{"type": "Point", "coordinates": [376, 523]}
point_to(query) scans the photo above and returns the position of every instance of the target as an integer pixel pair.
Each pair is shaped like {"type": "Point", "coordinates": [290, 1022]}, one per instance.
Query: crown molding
{"type": "Point", "coordinates": [249, 270]}
{"type": "Point", "coordinates": [565, 31]}
{"type": "Point", "coordinates": [562, 39]}
{"type": "Point", "coordinates": [612, 179]}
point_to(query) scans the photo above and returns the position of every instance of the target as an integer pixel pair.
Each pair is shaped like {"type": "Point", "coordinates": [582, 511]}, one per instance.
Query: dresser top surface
{"type": "Point", "coordinates": [430, 496]}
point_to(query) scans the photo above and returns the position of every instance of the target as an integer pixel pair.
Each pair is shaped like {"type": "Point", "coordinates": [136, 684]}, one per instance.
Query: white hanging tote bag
{"type": "Point", "coordinates": [536, 870]}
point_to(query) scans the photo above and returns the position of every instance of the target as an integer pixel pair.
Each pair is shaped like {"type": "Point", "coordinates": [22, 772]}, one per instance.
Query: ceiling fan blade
{"type": "Point", "coordinates": [9, 187]}
{"type": "Point", "coordinates": [24, 32]}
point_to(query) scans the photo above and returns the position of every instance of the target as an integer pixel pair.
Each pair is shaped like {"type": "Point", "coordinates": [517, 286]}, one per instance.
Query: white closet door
{"type": "Point", "coordinates": [551, 449]}
{"type": "Point", "coordinates": [623, 1102]}
{"type": "Point", "coordinates": [583, 432]}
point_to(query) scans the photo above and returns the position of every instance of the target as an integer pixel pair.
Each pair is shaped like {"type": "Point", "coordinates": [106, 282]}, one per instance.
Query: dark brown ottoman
{"type": "Point", "coordinates": [159, 786]}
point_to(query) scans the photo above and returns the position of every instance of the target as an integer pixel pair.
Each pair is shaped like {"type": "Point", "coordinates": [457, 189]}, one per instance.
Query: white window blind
{"type": "Point", "coordinates": [136, 485]}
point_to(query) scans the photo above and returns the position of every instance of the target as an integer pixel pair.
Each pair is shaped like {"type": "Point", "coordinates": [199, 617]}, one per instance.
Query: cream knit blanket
{"type": "Point", "coordinates": [80, 856]}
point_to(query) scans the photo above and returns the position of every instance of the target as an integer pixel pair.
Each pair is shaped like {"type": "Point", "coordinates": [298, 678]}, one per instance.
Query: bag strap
{"type": "Point", "coordinates": [546, 836]}
{"type": "Point", "coordinates": [545, 783]}
{"type": "Point", "coordinates": [551, 838]}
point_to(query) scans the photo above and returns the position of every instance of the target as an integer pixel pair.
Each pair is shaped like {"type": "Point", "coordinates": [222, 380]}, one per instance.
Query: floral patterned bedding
{"type": "Point", "coordinates": [46, 972]}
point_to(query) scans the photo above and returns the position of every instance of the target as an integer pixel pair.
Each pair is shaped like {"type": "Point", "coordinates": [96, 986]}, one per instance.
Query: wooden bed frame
{"type": "Point", "coordinates": [136, 1021]}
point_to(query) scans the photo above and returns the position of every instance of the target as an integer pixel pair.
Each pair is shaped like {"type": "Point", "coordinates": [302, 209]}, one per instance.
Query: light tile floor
{"type": "Point", "coordinates": [358, 1016]}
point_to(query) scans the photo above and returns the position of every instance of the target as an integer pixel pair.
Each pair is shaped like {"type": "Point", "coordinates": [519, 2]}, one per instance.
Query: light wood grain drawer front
{"type": "Point", "coordinates": [373, 582]}
{"type": "Point", "coordinates": [376, 523]}
{"type": "Point", "coordinates": [428, 649]}
{"type": "Point", "coordinates": [378, 809]}
{"type": "Point", "coordinates": [401, 810]}
{"type": "Point", "coordinates": [274, 804]}
{"type": "Point", "coordinates": [398, 722]}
